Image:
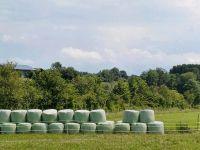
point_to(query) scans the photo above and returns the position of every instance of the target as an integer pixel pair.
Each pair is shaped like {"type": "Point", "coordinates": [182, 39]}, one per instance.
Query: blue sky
{"type": "Point", "coordinates": [90, 35]}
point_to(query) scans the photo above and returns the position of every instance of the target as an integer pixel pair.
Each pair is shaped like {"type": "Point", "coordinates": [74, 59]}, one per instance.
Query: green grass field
{"type": "Point", "coordinates": [172, 140]}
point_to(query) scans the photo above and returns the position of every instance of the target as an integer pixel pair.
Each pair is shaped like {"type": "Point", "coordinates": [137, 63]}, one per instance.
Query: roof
{"type": "Point", "coordinates": [23, 67]}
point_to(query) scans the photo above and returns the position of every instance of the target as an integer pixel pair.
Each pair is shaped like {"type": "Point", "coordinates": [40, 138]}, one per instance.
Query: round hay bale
{"type": "Point", "coordinates": [139, 127]}
{"type": "Point", "coordinates": [122, 128]}
{"type": "Point", "coordinates": [18, 116]}
{"type": "Point", "coordinates": [8, 128]}
{"type": "Point", "coordinates": [97, 116]}
{"type": "Point", "coordinates": [120, 121]}
{"type": "Point", "coordinates": [39, 128]}
{"type": "Point", "coordinates": [56, 127]}
{"type": "Point", "coordinates": [105, 127]}
{"type": "Point", "coordinates": [81, 116]}
{"type": "Point", "coordinates": [72, 128]}
{"type": "Point", "coordinates": [155, 127]}
{"type": "Point", "coordinates": [130, 116]}
{"type": "Point", "coordinates": [23, 127]}
{"type": "Point", "coordinates": [147, 116]}
{"type": "Point", "coordinates": [4, 115]}
{"type": "Point", "coordinates": [88, 127]}
{"type": "Point", "coordinates": [49, 116]}
{"type": "Point", "coordinates": [65, 115]}
{"type": "Point", "coordinates": [34, 115]}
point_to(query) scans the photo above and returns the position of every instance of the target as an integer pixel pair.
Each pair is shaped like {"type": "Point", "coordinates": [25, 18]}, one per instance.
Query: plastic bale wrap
{"type": "Point", "coordinates": [65, 115]}
{"type": "Point", "coordinates": [23, 127]}
{"type": "Point", "coordinates": [56, 127]}
{"type": "Point", "coordinates": [122, 128]}
{"type": "Point", "coordinates": [81, 116]}
{"type": "Point", "coordinates": [147, 116]}
{"type": "Point", "coordinates": [4, 115]}
{"type": "Point", "coordinates": [8, 128]}
{"type": "Point", "coordinates": [34, 115]}
{"type": "Point", "coordinates": [139, 127]}
{"type": "Point", "coordinates": [97, 116]}
{"type": "Point", "coordinates": [18, 116]}
{"type": "Point", "coordinates": [120, 121]}
{"type": "Point", "coordinates": [155, 127]}
{"type": "Point", "coordinates": [49, 116]}
{"type": "Point", "coordinates": [88, 127]}
{"type": "Point", "coordinates": [72, 128]}
{"type": "Point", "coordinates": [130, 116]}
{"type": "Point", "coordinates": [105, 127]}
{"type": "Point", "coordinates": [39, 128]}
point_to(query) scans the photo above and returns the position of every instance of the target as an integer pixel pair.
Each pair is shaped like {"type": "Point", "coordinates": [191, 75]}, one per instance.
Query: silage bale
{"type": "Point", "coordinates": [147, 116]}
{"type": "Point", "coordinates": [120, 121]}
{"type": "Point", "coordinates": [155, 127]}
{"type": "Point", "coordinates": [39, 128]}
{"type": "Point", "coordinates": [72, 128]}
{"type": "Point", "coordinates": [65, 115]}
{"type": "Point", "coordinates": [105, 127]}
{"type": "Point", "coordinates": [139, 127]}
{"type": "Point", "coordinates": [4, 115]}
{"type": "Point", "coordinates": [23, 127]}
{"type": "Point", "coordinates": [56, 127]}
{"type": "Point", "coordinates": [122, 128]}
{"type": "Point", "coordinates": [130, 116]}
{"type": "Point", "coordinates": [81, 116]}
{"type": "Point", "coordinates": [34, 115]}
{"type": "Point", "coordinates": [88, 127]}
{"type": "Point", "coordinates": [49, 115]}
{"type": "Point", "coordinates": [97, 116]}
{"type": "Point", "coordinates": [8, 128]}
{"type": "Point", "coordinates": [18, 116]}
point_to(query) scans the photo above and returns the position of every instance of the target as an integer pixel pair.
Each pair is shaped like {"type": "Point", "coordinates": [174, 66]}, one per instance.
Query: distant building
{"type": "Point", "coordinates": [24, 69]}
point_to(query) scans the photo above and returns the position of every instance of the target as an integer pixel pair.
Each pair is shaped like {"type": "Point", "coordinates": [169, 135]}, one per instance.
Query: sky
{"type": "Point", "coordinates": [91, 35]}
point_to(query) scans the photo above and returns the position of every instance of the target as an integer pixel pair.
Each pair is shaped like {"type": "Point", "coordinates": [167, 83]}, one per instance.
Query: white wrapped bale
{"type": "Point", "coordinates": [155, 127]}
{"type": "Point", "coordinates": [56, 127]}
{"type": "Point", "coordinates": [72, 128]}
{"type": "Point", "coordinates": [34, 115]}
{"type": "Point", "coordinates": [49, 116]}
{"type": "Point", "coordinates": [97, 116]}
{"type": "Point", "coordinates": [23, 127]}
{"type": "Point", "coordinates": [65, 115]}
{"type": "Point", "coordinates": [139, 127]}
{"type": "Point", "coordinates": [88, 127]}
{"type": "Point", "coordinates": [18, 116]}
{"type": "Point", "coordinates": [81, 116]}
{"type": "Point", "coordinates": [105, 127]}
{"type": "Point", "coordinates": [122, 128]}
{"type": "Point", "coordinates": [39, 128]}
{"type": "Point", "coordinates": [120, 121]}
{"type": "Point", "coordinates": [130, 116]}
{"type": "Point", "coordinates": [8, 128]}
{"type": "Point", "coordinates": [4, 115]}
{"type": "Point", "coordinates": [147, 116]}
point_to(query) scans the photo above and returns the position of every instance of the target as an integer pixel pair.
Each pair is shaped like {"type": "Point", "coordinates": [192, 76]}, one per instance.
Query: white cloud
{"type": "Point", "coordinates": [6, 38]}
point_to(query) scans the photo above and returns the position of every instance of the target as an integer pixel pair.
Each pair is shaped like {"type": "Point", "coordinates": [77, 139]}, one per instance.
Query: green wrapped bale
{"type": "Point", "coordinates": [130, 116]}
{"type": "Point", "coordinates": [97, 116]}
{"type": "Point", "coordinates": [49, 116]}
{"type": "Point", "coordinates": [18, 116]}
{"type": "Point", "coordinates": [34, 115]}
{"type": "Point", "coordinates": [122, 128]}
{"type": "Point", "coordinates": [56, 127]}
{"type": "Point", "coordinates": [4, 115]}
{"type": "Point", "coordinates": [72, 128]}
{"type": "Point", "coordinates": [8, 128]}
{"type": "Point", "coordinates": [155, 127]}
{"type": "Point", "coordinates": [81, 116]}
{"type": "Point", "coordinates": [105, 127]}
{"type": "Point", "coordinates": [88, 127]}
{"type": "Point", "coordinates": [139, 127]}
{"type": "Point", "coordinates": [65, 115]}
{"type": "Point", "coordinates": [39, 128]}
{"type": "Point", "coordinates": [23, 127]}
{"type": "Point", "coordinates": [147, 116]}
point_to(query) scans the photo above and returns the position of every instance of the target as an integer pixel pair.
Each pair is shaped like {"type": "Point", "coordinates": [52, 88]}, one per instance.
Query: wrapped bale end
{"type": "Point", "coordinates": [130, 116]}
{"type": "Point", "coordinates": [39, 128]}
{"type": "Point", "coordinates": [97, 116]}
{"type": "Point", "coordinates": [23, 128]}
{"type": "Point", "coordinates": [8, 128]}
{"type": "Point", "coordinates": [88, 127]}
{"type": "Point", "coordinates": [18, 116]}
{"type": "Point", "coordinates": [56, 128]}
{"type": "Point", "coordinates": [147, 116]}
{"type": "Point", "coordinates": [122, 128]}
{"type": "Point", "coordinates": [139, 127]}
{"type": "Point", "coordinates": [65, 115]}
{"type": "Point", "coordinates": [49, 116]}
{"type": "Point", "coordinates": [81, 116]}
{"type": "Point", "coordinates": [105, 127]}
{"type": "Point", "coordinates": [34, 115]}
{"type": "Point", "coordinates": [155, 127]}
{"type": "Point", "coordinates": [4, 115]}
{"type": "Point", "coordinates": [72, 128]}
